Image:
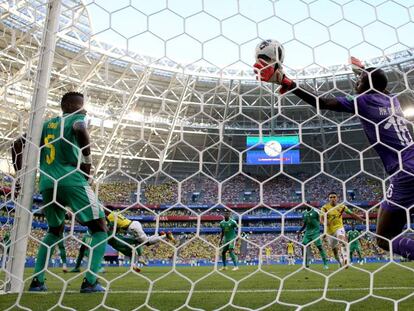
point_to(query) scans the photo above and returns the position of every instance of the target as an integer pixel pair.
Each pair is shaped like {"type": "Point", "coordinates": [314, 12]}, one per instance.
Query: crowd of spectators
{"type": "Point", "coordinates": [269, 218]}
{"type": "Point", "coordinates": [190, 247]}
{"type": "Point", "coordinates": [163, 193]}
{"type": "Point", "coordinates": [199, 190]}
{"type": "Point", "coordinates": [359, 188]}
{"type": "Point", "coordinates": [368, 189]}
{"type": "Point", "coordinates": [203, 190]}
{"type": "Point", "coordinates": [206, 247]}
{"type": "Point", "coordinates": [281, 189]}
{"type": "Point", "coordinates": [240, 189]}
{"type": "Point", "coordinates": [116, 192]}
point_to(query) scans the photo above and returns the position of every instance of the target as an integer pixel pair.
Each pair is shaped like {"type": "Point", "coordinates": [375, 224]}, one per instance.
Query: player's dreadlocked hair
{"type": "Point", "coordinates": [378, 78]}
{"type": "Point", "coordinates": [66, 98]}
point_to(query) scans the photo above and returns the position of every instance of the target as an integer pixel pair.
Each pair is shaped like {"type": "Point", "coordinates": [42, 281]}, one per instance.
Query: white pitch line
{"type": "Point", "coordinates": [231, 291]}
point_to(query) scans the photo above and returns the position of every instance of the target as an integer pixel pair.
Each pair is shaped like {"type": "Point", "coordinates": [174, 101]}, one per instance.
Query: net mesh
{"type": "Point", "coordinates": [172, 105]}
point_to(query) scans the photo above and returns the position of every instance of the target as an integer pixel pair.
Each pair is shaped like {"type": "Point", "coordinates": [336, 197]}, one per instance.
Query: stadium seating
{"type": "Point", "coordinates": [182, 221]}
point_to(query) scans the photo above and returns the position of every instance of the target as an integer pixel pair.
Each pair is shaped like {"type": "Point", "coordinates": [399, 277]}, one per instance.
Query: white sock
{"type": "Point", "coordinates": [154, 239]}
{"type": "Point", "coordinates": [344, 254]}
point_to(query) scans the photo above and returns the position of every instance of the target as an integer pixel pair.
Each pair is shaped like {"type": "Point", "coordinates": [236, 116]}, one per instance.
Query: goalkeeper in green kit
{"type": "Point", "coordinates": [65, 165]}
{"type": "Point", "coordinates": [311, 224]}
{"type": "Point", "coordinates": [228, 239]}
{"type": "Point", "coordinates": [354, 245]}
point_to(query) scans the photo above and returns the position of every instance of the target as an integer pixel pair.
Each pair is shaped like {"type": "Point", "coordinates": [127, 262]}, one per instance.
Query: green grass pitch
{"type": "Point", "coordinates": [279, 287]}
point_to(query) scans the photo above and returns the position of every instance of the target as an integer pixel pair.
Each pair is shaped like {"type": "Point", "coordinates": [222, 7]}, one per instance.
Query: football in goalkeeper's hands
{"type": "Point", "coordinates": [271, 51]}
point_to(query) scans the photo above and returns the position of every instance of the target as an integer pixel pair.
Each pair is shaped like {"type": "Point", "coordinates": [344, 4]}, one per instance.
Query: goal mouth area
{"type": "Point", "coordinates": [214, 187]}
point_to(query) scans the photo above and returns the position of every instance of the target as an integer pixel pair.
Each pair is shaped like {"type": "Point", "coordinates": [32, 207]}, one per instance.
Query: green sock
{"type": "Point", "coordinates": [96, 254]}
{"type": "Point", "coordinates": [223, 258]}
{"type": "Point", "coordinates": [323, 255]}
{"type": "Point", "coordinates": [234, 258]}
{"type": "Point", "coordinates": [80, 256]}
{"type": "Point", "coordinates": [42, 256]}
{"type": "Point", "coordinates": [62, 252]}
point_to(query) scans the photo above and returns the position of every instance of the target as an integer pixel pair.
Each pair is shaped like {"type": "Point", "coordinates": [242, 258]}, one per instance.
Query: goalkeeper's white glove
{"type": "Point", "coordinates": [273, 73]}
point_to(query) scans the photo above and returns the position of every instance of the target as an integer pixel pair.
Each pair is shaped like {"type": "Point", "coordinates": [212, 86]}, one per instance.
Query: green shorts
{"type": "Point", "coordinates": [354, 248]}
{"type": "Point", "coordinates": [81, 200]}
{"type": "Point", "coordinates": [312, 237]}
{"type": "Point", "coordinates": [230, 246]}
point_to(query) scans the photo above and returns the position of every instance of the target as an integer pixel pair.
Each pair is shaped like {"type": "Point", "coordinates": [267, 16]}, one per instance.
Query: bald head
{"type": "Point", "coordinates": [378, 79]}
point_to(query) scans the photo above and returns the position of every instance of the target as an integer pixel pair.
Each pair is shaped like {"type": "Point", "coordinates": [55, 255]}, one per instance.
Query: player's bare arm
{"type": "Point", "coordinates": [82, 137]}
{"type": "Point", "coordinates": [322, 216]}
{"type": "Point", "coordinates": [354, 215]}
{"type": "Point", "coordinates": [17, 153]}
{"type": "Point", "coordinates": [302, 228]}
{"type": "Point", "coordinates": [299, 232]}
{"type": "Point", "coordinates": [17, 158]}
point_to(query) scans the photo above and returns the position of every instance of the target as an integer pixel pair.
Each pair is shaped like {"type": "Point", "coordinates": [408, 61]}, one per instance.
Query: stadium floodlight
{"type": "Point", "coordinates": [409, 112]}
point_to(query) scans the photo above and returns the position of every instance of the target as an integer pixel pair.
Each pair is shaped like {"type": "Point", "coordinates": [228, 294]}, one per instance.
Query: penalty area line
{"type": "Point", "coordinates": [217, 291]}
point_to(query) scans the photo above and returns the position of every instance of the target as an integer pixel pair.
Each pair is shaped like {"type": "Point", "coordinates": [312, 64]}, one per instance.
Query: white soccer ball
{"type": "Point", "coordinates": [273, 148]}
{"type": "Point", "coordinates": [271, 51]}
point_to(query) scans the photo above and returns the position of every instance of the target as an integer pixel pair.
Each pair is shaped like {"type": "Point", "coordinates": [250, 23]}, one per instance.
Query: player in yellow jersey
{"type": "Point", "coordinates": [333, 212]}
{"type": "Point", "coordinates": [291, 253]}
{"type": "Point", "coordinates": [134, 228]}
{"type": "Point", "coordinates": [268, 252]}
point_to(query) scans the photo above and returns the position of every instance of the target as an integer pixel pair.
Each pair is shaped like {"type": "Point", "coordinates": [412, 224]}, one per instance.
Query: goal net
{"type": "Point", "coordinates": [187, 148]}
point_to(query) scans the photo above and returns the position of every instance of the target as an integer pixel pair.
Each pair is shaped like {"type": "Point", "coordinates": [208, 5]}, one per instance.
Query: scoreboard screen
{"type": "Point", "coordinates": [272, 150]}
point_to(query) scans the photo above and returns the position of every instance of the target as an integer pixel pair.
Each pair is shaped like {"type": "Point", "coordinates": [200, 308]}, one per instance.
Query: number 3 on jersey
{"type": "Point", "coordinates": [52, 151]}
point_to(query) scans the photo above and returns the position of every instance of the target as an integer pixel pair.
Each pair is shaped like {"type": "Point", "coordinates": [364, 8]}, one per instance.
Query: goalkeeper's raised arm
{"type": "Point", "coordinates": [275, 74]}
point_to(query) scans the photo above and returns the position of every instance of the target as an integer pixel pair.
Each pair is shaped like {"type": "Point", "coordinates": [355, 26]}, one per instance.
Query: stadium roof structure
{"type": "Point", "coordinates": [148, 113]}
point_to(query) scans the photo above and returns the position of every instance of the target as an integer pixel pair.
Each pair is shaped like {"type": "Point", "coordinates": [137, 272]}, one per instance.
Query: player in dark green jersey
{"type": "Point", "coordinates": [228, 240]}
{"type": "Point", "coordinates": [65, 164]}
{"type": "Point", "coordinates": [311, 223]}
{"type": "Point", "coordinates": [354, 245]}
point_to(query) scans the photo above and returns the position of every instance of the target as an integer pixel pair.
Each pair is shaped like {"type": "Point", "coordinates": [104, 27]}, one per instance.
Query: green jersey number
{"type": "Point", "coordinates": [52, 151]}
